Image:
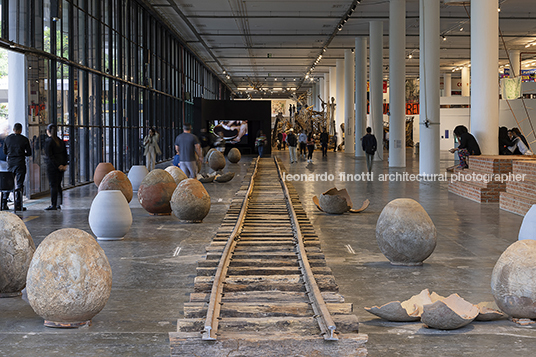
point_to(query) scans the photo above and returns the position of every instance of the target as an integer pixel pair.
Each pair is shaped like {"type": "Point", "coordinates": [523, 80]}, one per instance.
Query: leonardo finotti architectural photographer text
{"type": "Point", "coordinates": [403, 177]}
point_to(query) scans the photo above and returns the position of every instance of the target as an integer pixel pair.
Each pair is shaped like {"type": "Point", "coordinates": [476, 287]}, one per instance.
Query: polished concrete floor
{"type": "Point", "coordinates": [154, 267]}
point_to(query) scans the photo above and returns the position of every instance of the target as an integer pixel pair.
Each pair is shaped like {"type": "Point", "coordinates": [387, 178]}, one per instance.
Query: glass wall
{"type": "Point", "coordinates": [104, 71]}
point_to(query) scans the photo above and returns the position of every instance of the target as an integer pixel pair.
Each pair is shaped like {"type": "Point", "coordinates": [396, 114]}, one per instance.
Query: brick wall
{"type": "Point", "coordinates": [520, 195]}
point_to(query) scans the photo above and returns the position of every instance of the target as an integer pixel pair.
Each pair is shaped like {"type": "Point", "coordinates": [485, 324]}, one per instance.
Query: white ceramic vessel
{"type": "Point", "coordinates": [110, 217]}
{"type": "Point", "coordinates": [136, 175]}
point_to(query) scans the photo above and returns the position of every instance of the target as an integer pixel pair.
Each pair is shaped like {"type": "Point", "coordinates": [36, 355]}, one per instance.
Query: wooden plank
{"type": "Point", "coordinates": [266, 296]}
{"type": "Point", "coordinates": [265, 283]}
{"type": "Point", "coordinates": [263, 270]}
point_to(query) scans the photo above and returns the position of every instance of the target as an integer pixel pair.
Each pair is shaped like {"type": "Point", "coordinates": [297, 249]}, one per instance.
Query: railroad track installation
{"type": "Point", "coordinates": [264, 288]}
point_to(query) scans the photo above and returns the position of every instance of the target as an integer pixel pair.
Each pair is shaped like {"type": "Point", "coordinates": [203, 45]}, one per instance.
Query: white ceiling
{"type": "Point", "coordinates": [273, 44]}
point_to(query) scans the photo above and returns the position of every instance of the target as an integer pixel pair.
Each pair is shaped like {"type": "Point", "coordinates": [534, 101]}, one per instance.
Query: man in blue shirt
{"type": "Point", "coordinates": [187, 146]}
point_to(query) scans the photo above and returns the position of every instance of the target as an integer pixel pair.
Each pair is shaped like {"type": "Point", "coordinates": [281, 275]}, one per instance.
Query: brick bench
{"type": "Point", "coordinates": [520, 195]}
{"type": "Point", "coordinates": [489, 167]}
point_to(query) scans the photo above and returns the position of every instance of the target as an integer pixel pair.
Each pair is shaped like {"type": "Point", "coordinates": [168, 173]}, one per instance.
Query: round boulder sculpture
{"type": "Point", "coordinates": [177, 174]}
{"type": "Point", "coordinates": [102, 170]}
{"type": "Point", "coordinates": [216, 160]}
{"type": "Point", "coordinates": [69, 279]}
{"type": "Point", "coordinates": [513, 280]}
{"type": "Point", "coordinates": [234, 155]}
{"type": "Point", "coordinates": [136, 175]}
{"type": "Point", "coordinates": [405, 233]}
{"type": "Point", "coordinates": [155, 192]}
{"type": "Point", "coordinates": [190, 201]}
{"type": "Point", "coordinates": [117, 180]}
{"type": "Point", "coordinates": [16, 251]}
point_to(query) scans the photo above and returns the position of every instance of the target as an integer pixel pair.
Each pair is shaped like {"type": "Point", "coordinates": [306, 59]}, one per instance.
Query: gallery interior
{"type": "Point", "coordinates": [416, 251]}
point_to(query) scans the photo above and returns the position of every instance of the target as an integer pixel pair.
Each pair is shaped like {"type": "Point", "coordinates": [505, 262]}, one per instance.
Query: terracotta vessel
{"type": "Point", "coordinates": [69, 279]}
{"type": "Point", "coordinates": [102, 170]}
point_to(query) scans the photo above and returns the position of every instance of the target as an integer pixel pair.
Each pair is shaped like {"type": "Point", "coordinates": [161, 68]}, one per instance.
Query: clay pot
{"type": "Point", "coordinates": [190, 201]}
{"type": "Point", "coordinates": [513, 280]}
{"type": "Point", "coordinates": [409, 310]}
{"type": "Point", "coordinates": [16, 250]}
{"type": "Point", "coordinates": [69, 279]}
{"type": "Point", "coordinates": [110, 217]}
{"type": "Point", "coordinates": [528, 227]}
{"type": "Point", "coordinates": [177, 174]}
{"type": "Point", "coordinates": [234, 155]}
{"type": "Point", "coordinates": [136, 175]}
{"type": "Point", "coordinates": [102, 170]}
{"type": "Point", "coordinates": [335, 201]}
{"type": "Point", "coordinates": [405, 233]}
{"type": "Point", "coordinates": [117, 180]}
{"type": "Point", "coordinates": [155, 192]}
{"type": "Point", "coordinates": [216, 160]}
{"type": "Point", "coordinates": [449, 314]}
{"type": "Point", "coordinates": [226, 177]}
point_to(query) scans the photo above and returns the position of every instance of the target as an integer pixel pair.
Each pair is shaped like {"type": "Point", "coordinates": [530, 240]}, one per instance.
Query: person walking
{"type": "Point", "coordinates": [56, 161]}
{"type": "Point", "coordinates": [302, 139]}
{"type": "Point", "coordinates": [310, 147]}
{"type": "Point", "coordinates": [324, 139]}
{"type": "Point", "coordinates": [17, 147]}
{"type": "Point", "coordinates": [3, 156]}
{"type": "Point", "coordinates": [370, 145]}
{"type": "Point", "coordinates": [260, 142]}
{"type": "Point", "coordinates": [292, 142]}
{"type": "Point", "coordinates": [150, 144]}
{"type": "Point", "coordinates": [187, 146]}
{"type": "Point", "coordinates": [334, 139]}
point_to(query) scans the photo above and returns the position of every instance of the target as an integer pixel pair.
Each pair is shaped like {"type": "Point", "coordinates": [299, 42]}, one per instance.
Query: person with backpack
{"type": "Point", "coordinates": [292, 142]}
{"type": "Point", "coordinates": [370, 145]}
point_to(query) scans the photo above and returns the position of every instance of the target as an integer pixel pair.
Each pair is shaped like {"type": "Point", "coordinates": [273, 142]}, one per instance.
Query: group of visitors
{"type": "Point", "coordinates": [16, 147]}
{"type": "Point", "coordinates": [513, 142]}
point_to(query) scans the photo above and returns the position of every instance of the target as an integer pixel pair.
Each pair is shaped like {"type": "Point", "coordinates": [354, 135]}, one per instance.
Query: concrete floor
{"type": "Point", "coordinates": [154, 267]}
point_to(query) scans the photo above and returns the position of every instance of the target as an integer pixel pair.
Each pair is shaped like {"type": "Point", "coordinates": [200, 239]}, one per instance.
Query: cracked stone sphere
{"type": "Point", "coordinates": [69, 279]}
{"type": "Point", "coordinates": [16, 251]}
{"type": "Point", "coordinates": [513, 280]}
{"type": "Point", "coordinates": [405, 233]}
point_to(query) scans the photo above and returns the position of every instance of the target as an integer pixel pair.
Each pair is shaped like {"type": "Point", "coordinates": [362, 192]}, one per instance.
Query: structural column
{"type": "Point", "coordinates": [466, 81]}
{"type": "Point", "coordinates": [515, 58]}
{"type": "Point", "coordinates": [484, 76]}
{"type": "Point", "coordinates": [320, 93]}
{"type": "Point", "coordinates": [339, 99]}
{"type": "Point", "coordinates": [397, 85]}
{"type": "Point", "coordinates": [333, 110]}
{"type": "Point", "coordinates": [360, 93]}
{"type": "Point", "coordinates": [447, 79]}
{"type": "Point", "coordinates": [18, 93]}
{"type": "Point", "coordinates": [349, 122]}
{"type": "Point", "coordinates": [429, 88]}
{"type": "Point", "coordinates": [376, 84]}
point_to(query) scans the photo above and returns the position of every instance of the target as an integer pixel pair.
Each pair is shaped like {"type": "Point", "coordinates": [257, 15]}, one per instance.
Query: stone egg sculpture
{"type": "Point", "coordinates": [216, 160]}
{"type": "Point", "coordinates": [117, 180]}
{"type": "Point", "coordinates": [16, 251]}
{"type": "Point", "coordinates": [450, 313]}
{"type": "Point", "coordinates": [405, 233]}
{"type": "Point", "coordinates": [155, 192]}
{"type": "Point", "coordinates": [102, 170]}
{"type": "Point", "coordinates": [177, 174]}
{"type": "Point", "coordinates": [513, 280]}
{"type": "Point", "coordinates": [234, 155]}
{"type": "Point", "coordinates": [190, 201]}
{"type": "Point", "coordinates": [69, 279]}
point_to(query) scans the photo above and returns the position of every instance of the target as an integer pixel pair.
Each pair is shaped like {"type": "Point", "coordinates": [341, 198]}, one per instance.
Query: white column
{"type": "Point", "coordinates": [326, 87]}
{"type": "Point", "coordinates": [447, 79]}
{"type": "Point", "coordinates": [397, 83]}
{"type": "Point", "coordinates": [339, 99]}
{"type": "Point", "coordinates": [376, 84]}
{"type": "Point", "coordinates": [360, 93]}
{"type": "Point", "coordinates": [484, 78]}
{"type": "Point", "coordinates": [320, 93]}
{"type": "Point", "coordinates": [332, 94]}
{"type": "Point", "coordinates": [429, 87]}
{"type": "Point", "coordinates": [349, 122]}
{"type": "Point", "coordinates": [466, 81]}
{"type": "Point", "coordinates": [18, 94]}
{"type": "Point", "coordinates": [515, 57]}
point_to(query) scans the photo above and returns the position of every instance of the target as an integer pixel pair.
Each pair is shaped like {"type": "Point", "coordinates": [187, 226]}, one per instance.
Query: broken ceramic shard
{"type": "Point", "coordinates": [406, 311]}
{"type": "Point", "coordinates": [450, 313]}
{"type": "Point", "coordinates": [489, 311]}
{"type": "Point", "coordinates": [513, 280]}
{"type": "Point", "coordinates": [226, 177]}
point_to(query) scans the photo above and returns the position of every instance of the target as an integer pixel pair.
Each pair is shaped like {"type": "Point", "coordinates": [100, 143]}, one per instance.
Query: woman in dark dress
{"type": "Point", "coordinates": [467, 146]}
{"type": "Point", "coordinates": [56, 160]}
